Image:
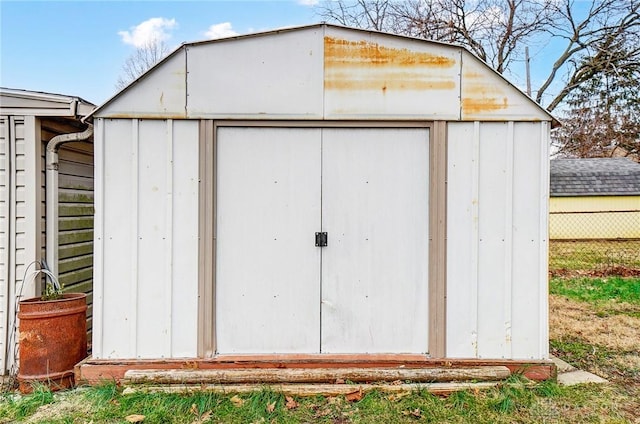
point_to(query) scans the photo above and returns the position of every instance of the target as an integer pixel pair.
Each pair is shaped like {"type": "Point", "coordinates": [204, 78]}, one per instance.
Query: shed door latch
{"type": "Point", "coordinates": [321, 239]}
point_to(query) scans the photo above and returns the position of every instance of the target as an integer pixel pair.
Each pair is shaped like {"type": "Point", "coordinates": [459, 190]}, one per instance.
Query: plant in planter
{"type": "Point", "coordinates": [52, 336]}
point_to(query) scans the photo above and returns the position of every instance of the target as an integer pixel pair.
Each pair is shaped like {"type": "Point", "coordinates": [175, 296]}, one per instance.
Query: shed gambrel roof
{"type": "Point", "coordinates": [323, 72]}
{"type": "Point", "coordinates": [595, 177]}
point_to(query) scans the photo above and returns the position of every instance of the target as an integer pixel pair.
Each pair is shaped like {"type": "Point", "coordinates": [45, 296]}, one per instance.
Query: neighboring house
{"type": "Point", "coordinates": [595, 198]}
{"type": "Point", "coordinates": [320, 191]}
{"type": "Point", "coordinates": [28, 120]}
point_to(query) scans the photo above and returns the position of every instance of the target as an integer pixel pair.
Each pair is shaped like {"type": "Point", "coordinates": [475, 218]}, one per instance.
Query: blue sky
{"type": "Point", "coordinates": [79, 47]}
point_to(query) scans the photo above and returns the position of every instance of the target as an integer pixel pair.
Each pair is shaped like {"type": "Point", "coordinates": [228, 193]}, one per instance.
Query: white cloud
{"type": "Point", "coordinates": [151, 30]}
{"type": "Point", "coordinates": [220, 30]}
{"type": "Point", "coordinates": [308, 2]}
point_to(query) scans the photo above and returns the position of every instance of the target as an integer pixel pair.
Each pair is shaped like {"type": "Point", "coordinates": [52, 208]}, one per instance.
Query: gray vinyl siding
{"type": "Point", "coordinates": [4, 238]}
{"type": "Point", "coordinates": [13, 227]}
{"type": "Point", "coordinates": [75, 196]}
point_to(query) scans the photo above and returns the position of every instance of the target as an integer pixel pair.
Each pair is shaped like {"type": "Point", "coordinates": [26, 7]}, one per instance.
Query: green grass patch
{"type": "Point", "coordinates": [513, 401]}
{"type": "Point", "coordinates": [18, 407]}
{"type": "Point", "coordinates": [581, 354]}
{"type": "Point", "coordinates": [596, 290]}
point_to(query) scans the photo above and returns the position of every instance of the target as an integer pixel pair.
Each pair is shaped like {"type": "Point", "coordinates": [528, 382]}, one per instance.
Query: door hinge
{"type": "Point", "coordinates": [321, 239]}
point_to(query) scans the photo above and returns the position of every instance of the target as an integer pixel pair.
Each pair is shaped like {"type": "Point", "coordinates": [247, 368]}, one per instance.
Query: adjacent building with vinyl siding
{"type": "Point", "coordinates": [28, 120]}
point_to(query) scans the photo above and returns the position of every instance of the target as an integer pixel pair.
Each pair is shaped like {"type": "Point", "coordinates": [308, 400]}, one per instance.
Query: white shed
{"type": "Point", "coordinates": [323, 193]}
{"type": "Point", "coordinates": [28, 121]}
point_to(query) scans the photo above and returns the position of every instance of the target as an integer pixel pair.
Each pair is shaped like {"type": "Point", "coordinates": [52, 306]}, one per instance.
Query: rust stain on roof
{"type": "Point", "coordinates": [340, 52]}
{"type": "Point", "coordinates": [480, 96]}
{"type": "Point", "coordinates": [362, 65]}
{"type": "Point", "coordinates": [477, 105]}
{"type": "Point", "coordinates": [389, 83]}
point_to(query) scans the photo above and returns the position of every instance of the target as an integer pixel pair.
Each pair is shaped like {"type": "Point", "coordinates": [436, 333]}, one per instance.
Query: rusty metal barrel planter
{"type": "Point", "coordinates": [53, 339]}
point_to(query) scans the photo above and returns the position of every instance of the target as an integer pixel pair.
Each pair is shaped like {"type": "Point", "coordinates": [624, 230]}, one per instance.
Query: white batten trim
{"type": "Point", "coordinates": [169, 241]}
{"type": "Point", "coordinates": [544, 241]}
{"type": "Point", "coordinates": [475, 236]}
{"type": "Point", "coordinates": [98, 240]}
{"type": "Point", "coordinates": [508, 239]}
{"type": "Point", "coordinates": [133, 306]}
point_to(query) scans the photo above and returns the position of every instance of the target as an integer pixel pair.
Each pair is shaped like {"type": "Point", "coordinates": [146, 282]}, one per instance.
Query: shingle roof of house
{"type": "Point", "coordinates": [595, 177]}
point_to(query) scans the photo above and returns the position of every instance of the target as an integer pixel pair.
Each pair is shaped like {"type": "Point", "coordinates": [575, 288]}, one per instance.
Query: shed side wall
{"type": "Point", "coordinates": [495, 265]}
{"type": "Point", "coordinates": [148, 184]}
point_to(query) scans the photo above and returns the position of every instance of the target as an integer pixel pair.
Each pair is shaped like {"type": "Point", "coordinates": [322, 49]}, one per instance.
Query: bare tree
{"type": "Point", "coordinates": [140, 61]}
{"type": "Point", "coordinates": [495, 30]}
{"type": "Point", "coordinates": [588, 39]}
{"type": "Point", "coordinates": [360, 13]}
{"type": "Point", "coordinates": [498, 30]}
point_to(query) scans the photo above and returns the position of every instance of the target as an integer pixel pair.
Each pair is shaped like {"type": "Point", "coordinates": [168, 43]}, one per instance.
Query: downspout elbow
{"type": "Point", "coordinates": [54, 144]}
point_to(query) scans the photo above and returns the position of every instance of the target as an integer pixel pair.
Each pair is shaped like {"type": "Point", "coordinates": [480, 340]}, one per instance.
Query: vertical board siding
{"type": "Point", "coordinates": [153, 234]}
{"type": "Point", "coordinates": [150, 173]}
{"type": "Point", "coordinates": [491, 243]}
{"type": "Point", "coordinates": [5, 171]}
{"type": "Point", "coordinates": [133, 240]}
{"type": "Point", "coordinates": [168, 217]}
{"type": "Point", "coordinates": [495, 241]}
{"type": "Point", "coordinates": [461, 225]}
{"type": "Point", "coordinates": [184, 254]}
{"type": "Point", "coordinates": [526, 240]}
{"type": "Point", "coordinates": [75, 221]}
{"type": "Point", "coordinates": [543, 246]}
{"type": "Point", "coordinates": [98, 237]}
{"type": "Point", "coordinates": [508, 240]}
{"type": "Point", "coordinates": [116, 239]}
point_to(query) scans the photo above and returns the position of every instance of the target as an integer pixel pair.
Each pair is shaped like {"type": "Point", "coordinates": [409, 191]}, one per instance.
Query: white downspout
{"type": "Point", "coordinates": [52, 192]}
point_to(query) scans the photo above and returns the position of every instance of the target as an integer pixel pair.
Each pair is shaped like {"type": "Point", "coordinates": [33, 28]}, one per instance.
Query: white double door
{"type": "Point", "coordinates": [367, 290]}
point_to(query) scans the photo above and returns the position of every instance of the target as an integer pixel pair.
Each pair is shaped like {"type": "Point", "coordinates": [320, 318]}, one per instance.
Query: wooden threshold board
{"type": "Point", "coordinates": [94, 371]}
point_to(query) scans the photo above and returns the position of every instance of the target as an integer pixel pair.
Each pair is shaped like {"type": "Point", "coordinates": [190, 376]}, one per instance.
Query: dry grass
{"type": "Point", "coordinates": [580, 319]}
{"type": "Point", "coordinates": [602, 337]}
